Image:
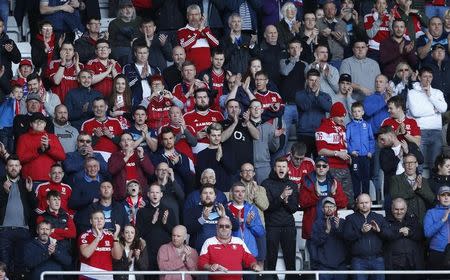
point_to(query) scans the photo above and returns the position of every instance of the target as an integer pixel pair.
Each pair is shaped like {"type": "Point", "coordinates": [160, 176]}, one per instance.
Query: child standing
{"type": "Point", "coordinates": [12, 106]}
{"type": "Point", "coordinates": [361, 147]}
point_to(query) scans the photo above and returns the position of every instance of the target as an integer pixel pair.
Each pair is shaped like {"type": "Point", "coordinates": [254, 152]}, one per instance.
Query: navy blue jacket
{"type": "Point", "coordinates": [75, 100]}
{"type": "Point", "coordinates": [74, 165]}
{"type": "Point", "coordinates": [134, 80]}
{"type": "Point", "coordinates": [311, 111]}
{"type": "Point", "coordinates": [375, 110]}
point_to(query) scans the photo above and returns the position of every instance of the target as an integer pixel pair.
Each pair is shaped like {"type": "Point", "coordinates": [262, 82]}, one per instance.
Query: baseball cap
{"type": "Point", "coordinates": [37, 116]}
{"type": "Point", "coordinates": [328, 200]}
{"type": "Point", "coordinates": [437, 46]}
{"type": "Point", "coordinates": [25, 62]}
{"type": "Point", "coordinates": [321, 158]}
{"type": "Point", "coordinates": [33, 96]}
{"type": "Point", "coordinates": [444, 189]}
{"type": "Point", "coordinates": [345, 78]}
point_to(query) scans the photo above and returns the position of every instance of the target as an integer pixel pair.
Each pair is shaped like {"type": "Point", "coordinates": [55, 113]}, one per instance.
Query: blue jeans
{"type": "Point", "coordinates": [431, 145]}
{"type": "Point", "coordinates": [4, 13]}
{"type": "Point", "coordinates": [290, 117]}
{"type": "Point", "coordinates": [432, 11]}
{"type": "Point", "coordinates": [12, 241]}
{"type": "Point", "coordinates": [360, 171]}
{"type": "Point", "coordinates": [370, 263]}
{"type": "Point", "coordinates": [331, 276]}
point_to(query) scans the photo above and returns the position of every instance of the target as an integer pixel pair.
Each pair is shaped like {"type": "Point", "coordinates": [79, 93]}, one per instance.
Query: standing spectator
{"type": "Point", "coordinates": [141, 134]}
{"type": "Point", "coordinates": [63, 73]}
{"type": "Point", "coordinates": [172, 74]}
{"type": "Point", "coordinates": [428, 106]}
{"type": "Point", "coordinates": [375, 107]}
{"type": "Point", "coordinates": [248, 10]}
{"type": "Point", "coordinates": [361, 147]}
{"type": "Point", "coordinates": [434, 35]}
{"type": "Point", "coordinates": [312, 105]}
{"type": "Point", "coordinates": [123, 29]}
{"type": "Point", "coordinates": [134, 255]}
{"type": "Point", "coordinates": [299, 165]}
{"type": "Point", "coordinates": [310, 38]}
{"type": "Point", "coordinates": [133, 200]}
{"type": "Point", "coordinates": [25, 69]}
{"type": "Point", "coordinates": [288, 27]}
{"type": "Point", "coordinates": [212, 11]}
{"type": "Point", "coordinates": [237, 45]}
{"type": "Point", "coordinates": [414, 19]}
{"type": "Point", "coordinates": [17, 202]}
{"type": "Point", "coordinates": [377, 26]}
{"type": "Point", "coordinates": [9, 109]}
{"type": "Point", "coordinates": [440, 173]}
{"type": "Point", "coordinates": [9, 53]}
{"type": "Point", "coordinates": [64, 16]}
{"type": "Point", "coordinates": [413, 188]}
{"type": "Point", "coordinates": [139, 73]}
{"type": "Point", "coordinates": [344, 95]}
{"type": "Point", "coordinates": [280, 225]}
{"type": "Point", "coordinates": [403, 79]}
{"type": "Point", "coordinates": [329, 74]}
{"type": "Point", "coordinates": [363, 70]}
{"type": "Point", "coordinates": [395, 49]}
{"type": "Point", "coordinates": [128, 164]}
{"type": "Point", "coordinates": [45, 253]}
{"type": "Point", "coordinates": [39, 150]}
{"type": "Point", "coordinates": [215, 77]}
{"type": "Point", "coordinates": [232, 255]}
{"type": "Point", "coordinates": [404, 251]}
{"type": "Point", "coordinates": [79, 100]}
{"type": "Point", "coordinates": [155, 223]}
{"type": "Point", "coordinates": [105, 131]}
{"type": "Point", "coordinates": [176, 255]}
{"type": "Point", "coordinates": [85, 45]}
{"type": "Point", "coordinates": [120, 101]}
{"type": "Point", "coordinates": [66, 133]}
{"type": "Point", "coordinates": [328, 239]}
{"type": "Point", "coordinates": [334, 29]}
{"type": "Point", "coordinates": [332, 143]}
{"type": "Point", "coordinates": [98, 247]}
{"type": "Point", "coordinates": [436, 229]}
{"type": "Point", "coordinates": [104, 70]}
{"type": "Point", "coordinates": [197, 39]}
{"type": "Point", "coordinates": [45, 47]}
{"type": "Point", "coordinates": [355, 30]}
{"type": "Point", "coordinates": [48, 100]}
{"type": "Point", "coordinates": [366, 227]}
{"type": "Point", "coordinates": [441, 70]}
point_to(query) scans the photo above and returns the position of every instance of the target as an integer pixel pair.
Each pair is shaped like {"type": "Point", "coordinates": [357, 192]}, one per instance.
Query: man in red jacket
{"type": "Point", "coordinates": [38, 150]}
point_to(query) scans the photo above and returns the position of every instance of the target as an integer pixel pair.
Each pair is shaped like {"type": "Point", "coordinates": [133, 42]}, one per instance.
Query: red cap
{"type": "Point", "coordinates": [338, 110]}
{"type": "Point", "coordinates": [25, 62]}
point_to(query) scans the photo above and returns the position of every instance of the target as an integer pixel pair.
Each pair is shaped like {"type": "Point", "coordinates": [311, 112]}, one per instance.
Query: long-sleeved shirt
{"type": "Point", "coordinates": [170, 260]}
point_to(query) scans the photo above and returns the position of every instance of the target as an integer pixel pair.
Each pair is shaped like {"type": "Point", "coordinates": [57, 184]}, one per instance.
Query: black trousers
{"type": "Point", "coordinates": [286, 237]}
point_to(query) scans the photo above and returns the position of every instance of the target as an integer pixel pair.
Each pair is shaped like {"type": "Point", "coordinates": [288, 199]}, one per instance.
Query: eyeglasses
{"type": "Point", "coordinates": [225, 226]}
{"type": "Point", "coordinates": [102, 48]}
{"type": "Point", "coordinates": [403, 70]}
{"type": "Point", "coordinates": [298, 158]}
{"type": "Point", "coordinates": [410, 162]}
{"type": "Point", "coordinates": [247, 171]}
{"type": "Point", "coordinates": [321, 165]}
{"type": "Point", "coordinates": [85, 141]}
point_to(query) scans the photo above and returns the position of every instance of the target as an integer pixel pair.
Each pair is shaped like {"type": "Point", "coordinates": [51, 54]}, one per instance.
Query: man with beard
{"type": "Point", "coordinates": [79, 100]}
{"type": "Point", "coordinates": [48, 100]}
{"type": "Point", "coordinates": [200, 118]}
{"type": "Point", "coordinates": [140, 132]}
{"type": "Point", "coordinates": [155, 223]}
{"type": "Point", "coordinates": [44, 253]}
{"type": "Point", "coordinates": [216, 76]}
{"type": "Point", "coordinates": [66, 133]}
{"type": "Point", "coordinates": [16, 203]}
{"type": "Point", "coordinates": [280, 225]}
{"type": "Point", "coordinates": [331, 142]}
{"type": "Point", "coordinates": [201, 219]}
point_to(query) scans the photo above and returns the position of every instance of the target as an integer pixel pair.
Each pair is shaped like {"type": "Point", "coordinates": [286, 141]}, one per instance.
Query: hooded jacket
{"type": "Point", "coordinates": [435, 229]}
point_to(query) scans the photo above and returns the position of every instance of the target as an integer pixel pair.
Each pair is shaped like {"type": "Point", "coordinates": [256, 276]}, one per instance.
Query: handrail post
{"type": "Point", "coordinates": [317, 276]}
{"type": "Point", "coordinates": [183, 275]}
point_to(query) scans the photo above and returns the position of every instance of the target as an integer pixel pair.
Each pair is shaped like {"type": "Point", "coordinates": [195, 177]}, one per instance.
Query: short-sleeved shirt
{"type": "Point", "coordinates": [101, 259]}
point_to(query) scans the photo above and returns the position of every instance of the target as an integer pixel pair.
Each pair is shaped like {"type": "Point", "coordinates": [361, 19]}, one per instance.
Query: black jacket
{"type": "Point", "coordinates": [214, 12]}
{"type": "Point", "coordinates": [236, 55]}
{"type": "Point", "coordinates": [441, 77]}
{"type": "Point", "coordinates": [280, 213]}
{"type": "Point", "coordinates": [169, 14]}
{"type": "Point", "coordinates": [85, 47]}
{"type": "Point", "coordinates": [369, 244]}
{"type": "Point", "coordinates": [6, 58]}
{"type": "Point", "coordinates": [28, 199]}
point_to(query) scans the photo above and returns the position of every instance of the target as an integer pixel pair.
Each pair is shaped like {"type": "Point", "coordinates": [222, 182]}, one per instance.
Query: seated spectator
{"type": "Point", "coordinates": [329, 75]}
{"type": "Point", "coordinates": [234, 90]}
{"type": "Point", "coordinates": [299, 165]}
{"type": "Point", "coordinates": [139, 73]}
{"type": "Point", "coordinates": [133, 200]}
{"type": "Point", "coordinates": [134, 255]}
{"type": "Point", "coordinates": [66, 133]}
{"type": "Point", "coordinates": [441, 69]}
{"type": "Point", "coordinates": [428, 106]}
{"type": "Point", "coordinates": [375, 107]}
{"type": "Point", "coordinates": [440, 174]}
{"type": "Point", "coordinates": [173, 194]}
{"type": "Point", "coordinates": [159, 103]}
{"type": "Point", "coordinates": [201, 219]}
{"type": "Point", "coordinates": [404, 251]}
{"type": "Point", "coordinates": [44, 253]}
{"type": "Point", "coordinates": [436, 229]}
{"type": "Point", "coordinates": [48, 100]}
{"type": "Point", "coordinates": [139, 131]}
{"type": "Point", "coordinates": [63, 227]}
{"type": "Point", "coordinates": [403, 80]}
{"type": "Point", "coordinates": [251, 227]}
{"type": "Point", "coordinates": [363, 70]}
{"type": "Point", "coordinates": [105, 131]}
{"type": "Point", "coordinates": [62, 73]}
{"type": "Point", "coordinates": [45, 47]}
{"type": "Point", "coordinates": [98, 247]}
{"type": "Point", "coordinates": [233, 253]}
{"type": "Point", "coordinates": [120, 101]}
{"type": "Point", "coordinates": [170, 258]}
{"type": "Point", "coordinates": [64, 16]}
{"type": "Point", "coordinates": [288, 27]}
{"type": "Point", "coordinates": [85, 45]}
{"type": "Point", "coordinates": [197, 39]}
{"type": "Point", "coordinates": [175, 159]}
{"type": "Point", "coordinates": [158, 44]}
{"type": "Point", "coordinates": [79, 100]}
{"type": "Point", "coordinates": [236, 45]}
{"type": "Point", "coordinates": [155, 223]}
{"type": "Point", "coordinates": [128, 164]}
{"type": "Point", "coordinates": [396, 49]}
{"type": "Point", "coordinates": [377, 26]}
{"type": "Point", "coordinates": [434, 35]}
{"type": "Point", "coordinates": [172, 74]}
{"type": "Point", "coordinates": [328, 241]}
{"type": "Point", "coordinates": [104, 70]}
{"type": "Point", "coordinates": [75, 161]}
{"type": "Point", "coordinates": [25, 69]}
{"type": "Point", "coordinates": [56, 175]}
{"type": "Point", "coordinates": [123, 29]}
{"type": "Point", "coordinates": [38, 150]}
{"type": "Point", "coordinates": [364, 227]}
{"type": "Point", "coordinates": [3, 271]}
{"type": "Point", "coordinates": [9, 109]}
{"type": "Point", "coordinates": [249, 78]}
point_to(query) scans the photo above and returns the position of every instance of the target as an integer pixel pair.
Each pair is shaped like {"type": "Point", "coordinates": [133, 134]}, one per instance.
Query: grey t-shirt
{"type": "Point", "coordinates": [14, 216]}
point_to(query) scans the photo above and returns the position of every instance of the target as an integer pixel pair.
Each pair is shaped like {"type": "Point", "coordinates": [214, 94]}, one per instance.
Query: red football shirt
{"type": "Point", "coordinates": [101, 259]}
{"type": "Point", "coordinates": [68, 82]}
{"type": "Point", "coordinates": [104, 143]}
{"type": "Point", "coordinates": [104, 86]}
{"type": "Point", "coordinates": [410, 126]}
{"type": "Point", "coordinates": [201, 121]}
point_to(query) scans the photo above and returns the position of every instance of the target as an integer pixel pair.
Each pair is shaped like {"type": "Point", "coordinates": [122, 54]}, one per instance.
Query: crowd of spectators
{"type": "Point", "coordinates": [188, 135]}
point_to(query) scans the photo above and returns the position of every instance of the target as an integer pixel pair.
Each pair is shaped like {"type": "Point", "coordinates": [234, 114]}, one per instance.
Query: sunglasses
{"type": "Point", "coordinates": [85, 141]}
{"type": "Point", "coordinates": [321, 165]}
{"type": "Point", "coordinates": [225, 226]}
